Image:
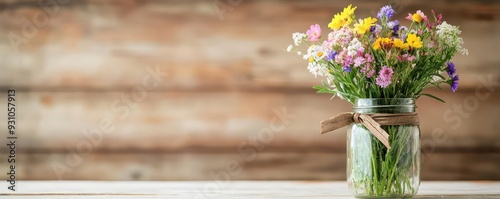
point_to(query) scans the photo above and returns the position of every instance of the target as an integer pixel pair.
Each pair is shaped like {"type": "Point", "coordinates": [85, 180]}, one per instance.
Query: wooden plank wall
{"type": "Point", "coordinates": [228, 93]}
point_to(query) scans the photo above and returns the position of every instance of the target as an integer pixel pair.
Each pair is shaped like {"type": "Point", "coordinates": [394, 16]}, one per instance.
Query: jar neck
{"type": "Point", "coordinates": [384, 105]}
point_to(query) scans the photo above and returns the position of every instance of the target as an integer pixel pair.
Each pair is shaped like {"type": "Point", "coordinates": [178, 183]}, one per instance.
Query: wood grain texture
{"type": "Point", "coordinates": [106, 45]}
{"type": "Point", "coordinates": [183, 121]}
{"type": "Point", "coordinates": [224, 79]}
{"type": "Point", "coordinates": [261, 165]}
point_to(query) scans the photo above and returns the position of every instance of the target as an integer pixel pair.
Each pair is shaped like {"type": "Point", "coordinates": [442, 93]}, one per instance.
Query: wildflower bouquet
{"type": "Point", "coordinates": [367, 59]}
{"type": "Point", "coordinates": [383, 60]}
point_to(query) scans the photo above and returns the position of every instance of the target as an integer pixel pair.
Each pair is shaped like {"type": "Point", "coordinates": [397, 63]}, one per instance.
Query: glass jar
{"type": "Point", "coordinates": [373, 171]}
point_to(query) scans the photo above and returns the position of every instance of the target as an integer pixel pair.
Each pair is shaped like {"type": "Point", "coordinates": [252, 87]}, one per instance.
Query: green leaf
{"type": "Point", "coordinates": [440, 76]}
{"type": "Point", "coordinates": [322, 89]}
{"type": "Point", "coordinates": [324, 84]}
{"type": "Point", "coordinates": [437, 84]}
{"type": "Point", "coordinates": [433, 97]}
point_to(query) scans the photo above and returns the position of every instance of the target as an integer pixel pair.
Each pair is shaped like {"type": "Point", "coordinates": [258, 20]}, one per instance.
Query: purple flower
{"type": "Point", "coordinates": [391, 24]}
{"type": "Point", "coordinates": [394, 26]}
{"type": "Point", "coordinates": [346, 69]}
{"type": "Point", "coordinates": [384, 77]}
{"type": "Point", "coordinates": [395, 30]}
{"type": "Point", "coordinates": [451, 69]}
{"type": "Point", "coordinates": [372, 28]}
{"type": "Point", "coordinates": [454, 83]}
{"type": "Point", "coordinates": [404, 32]}
{"type": "Point", "coordinates": [331, 56]}
{"type": "Point", "coordinates": [386, 11]}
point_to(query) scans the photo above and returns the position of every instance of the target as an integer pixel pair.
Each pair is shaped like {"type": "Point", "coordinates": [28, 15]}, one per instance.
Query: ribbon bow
{"type": "Point", "coordinates": [371, 121]}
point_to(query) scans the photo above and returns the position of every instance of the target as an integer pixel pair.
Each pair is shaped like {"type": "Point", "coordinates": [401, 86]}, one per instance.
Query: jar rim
{"type": "Point", "coordinates": [407, 98]}
{"type": "Point", "coordinates": [362, 103]}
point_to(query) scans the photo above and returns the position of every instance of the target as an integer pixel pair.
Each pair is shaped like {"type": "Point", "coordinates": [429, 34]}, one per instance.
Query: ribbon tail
{"type": "Point", "coordinates": [336, 122]}
{"type": "Point", "coordinates": [375, 129]}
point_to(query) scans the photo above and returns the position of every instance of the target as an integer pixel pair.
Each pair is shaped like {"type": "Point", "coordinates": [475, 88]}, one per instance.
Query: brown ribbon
{"type": "Point", "coordinates": [371, 121]}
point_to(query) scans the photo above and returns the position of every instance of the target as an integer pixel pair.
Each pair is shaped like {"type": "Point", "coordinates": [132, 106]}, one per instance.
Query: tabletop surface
{"type": "Point", "coordinates": [229, 189]}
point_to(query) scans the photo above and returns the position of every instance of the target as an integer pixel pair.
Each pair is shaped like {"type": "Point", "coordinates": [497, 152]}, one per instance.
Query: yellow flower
{"type": "Point", "coordinates": [349, 10]}
{"type": "Point", "coordinates": [376, 44]}
{"type": "Point", "coordinates": [401, 44]}
{"type": "Point", "coordinates": [416, 18]}
{"type": "Point", "coordinates": [387, 42]}
{"type": "Point", "coordinates": [364, 25]}
{"type": "Point", "coordinates": [382, 43]}
{"type": "Point", "coordinates": [343, 18]}
{"type": "Point", "coordinates": [414, 41]}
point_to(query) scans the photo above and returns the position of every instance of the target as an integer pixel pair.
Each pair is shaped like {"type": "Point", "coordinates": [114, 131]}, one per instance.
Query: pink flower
{"type": "Point", "coordinates": [405, 57]}
{"type": "Point", "coordinates": [358, 61]}
{"type": "Point", "coordinates": [314, 33]}
{"type": "Point", "coordinates": [384, 77]}
{"type": "Point", "coordinates": [368, 70]}
{"type": "Point", "coordinates": [424, 18]}
{"type": "Point", "coordinates": [417, 17]}
{"type": "Point", "coordinates": [348, 61]}
{"type": "Point", "coordinates": [411, 58]}
{"type": "Point", "coordinates": [368, 57]}
{"type": "Point", "coordinates": [409, 17]}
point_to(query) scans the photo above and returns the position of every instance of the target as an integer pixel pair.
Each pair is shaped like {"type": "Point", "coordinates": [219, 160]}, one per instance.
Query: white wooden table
{"type": "Point", "coordinates": [232, 189]}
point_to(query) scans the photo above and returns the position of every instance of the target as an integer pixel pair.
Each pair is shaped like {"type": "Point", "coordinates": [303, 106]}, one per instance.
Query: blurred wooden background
{"type": "Point", "coordinates": [225, 80]}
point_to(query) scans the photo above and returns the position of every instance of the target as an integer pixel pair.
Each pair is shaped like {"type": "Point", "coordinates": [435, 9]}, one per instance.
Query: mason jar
{"type": "Point", "coordinates": [373, 170]}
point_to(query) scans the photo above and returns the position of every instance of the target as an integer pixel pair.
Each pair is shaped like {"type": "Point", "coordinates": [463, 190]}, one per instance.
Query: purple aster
{"type": "Point", "coordinates": [386, 11]}
{"type": "Point", "coordinates": [384, 77]}
{"type": "Point", "coordinates": [454, 83]}
{"type": "Point", "coordinates": [331, 56]}
{"type": "Point", "coordinates": [451, 69]}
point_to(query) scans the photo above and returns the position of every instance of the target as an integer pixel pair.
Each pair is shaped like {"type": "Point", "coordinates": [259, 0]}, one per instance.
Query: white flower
{"type": "Point", "coordinates": [464, 51]}
{"type": "Point", "coordinates": [340, 37]}
{"type": "Point", "coordinates": [317, 68]}
{"type": "Point", "coordinates": [289, 48]}
{"type": "Point", "coordinates": [315, 52]}
{"type": "Point", "coordinates": [353, 48]}
{"type": "Point", "coordinates": [298, 37]}
{"type": "Point", "coordinates": [449, 35]}
{"type": "Point", "coordinates": [299, 53]}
